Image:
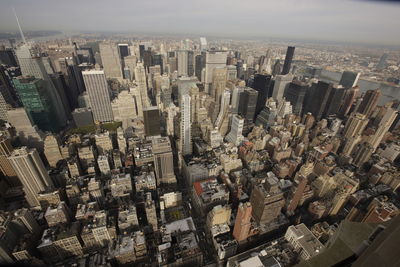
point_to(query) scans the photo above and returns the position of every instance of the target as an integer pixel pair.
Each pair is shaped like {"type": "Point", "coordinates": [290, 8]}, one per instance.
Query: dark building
{"type": "Point", "coordinates": [123, 50]}
{"type": "Point", "coordinates": [200, 63]}
{"type": "Point", "coordinates": [141, 52]}
{"type": "Point", "coordinates": [276, 69]}
{"type": "Point", "coordinates": [288, 60]}
{"type": "Point", "coordinates": [62, 90]}
{"type": "Point", "coordinates": [75, 84]}
{"type": "Point", "coordinates": [369, 102]}
{"type": "Point", "coordinates": [147, 58]}
{"type": "Point", "coordinates": [239, 69]}
{"type": "Point", "coordinates": [82, 116]}
{"type": "Point", "coordinates": [157, 60]}
{"type": "Point", "coordinates": [85, 55]}
{"type": "Point", "coordinates": [8, 91]}
{"type": "Point", "coordinates": [335, 101]}
{"type": "Point", "coordinates": [261, 84]}
{"type": "Point", "coordinates": [317, 99]}
{"type": "Point", "coordinates": [190, 63]}
{"type": "Point", "coordinates": [295, 94]}
{"type": "Point", "coordinates": [151, 118]}
{"type": "Point", "coordinates": [248, 103]}
{"type": "Point", "coordinates": [7, 57]}
{"type": "Point", "coordinates": [349, 79]}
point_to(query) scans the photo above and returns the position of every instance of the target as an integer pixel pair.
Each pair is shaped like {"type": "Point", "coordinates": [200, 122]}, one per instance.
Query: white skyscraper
{"type": "Point", "coordinates": [99, 95]}
{"type": "Point", "coordinates": [214, 59]}
{"type": "Point", "coordinates": [186, 130]}
{"type": "Point", "coordinates": [235, 135]}
{"type": "Point", "coordinates": [140, 78]}
{"type": "Point", "coordinates": [203, 43]}
{"type": "Point", "coordinates": [281, 83]}
{"type": "Point", "coordinates": [182, 56]}
{"type": "Point", "coordinates": [111, 60]}
{"type": "Point", "coordinates": [31, 172]}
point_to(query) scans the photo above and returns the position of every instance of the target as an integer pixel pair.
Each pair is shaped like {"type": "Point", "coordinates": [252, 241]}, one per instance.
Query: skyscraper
{"type": "Point", "coordinates": [141, 81]}
{"type": "Point", "coordinates": [111, 60]}
{"type": "Point", "coordinates": [163, 160]}
{"type": "Point", "coordinates": [31, 172]}
{"type": "Point", "coordinates": [335, 100]}
{"type": "Point", "coordinates": [267, 201]}
{"type": "Point", "coordinates": [288, 60]}
{"type": "Point", "coordinates": [280, 85]}
{"type": "Point", "coordinates": [52, 150]}
{"type": "Point", "coordinates": [369, 102]}
{"type": "Point", "coordinates": [247, 104]}
{"type": "Point", "coordinates": [295, 94]}
{"type": "Point", "coordinates": [218, 83]}
{"type": "Point", "coordinates": [99, 95]}
{"type": "Point", "coordinates": [242, 226]}
{"type": "Point", "coordinates": [5, 165]}
{"type": "Point", "coordinates": [349, 79]}
{"type": "Point", "coordinates": [319, 98]}
{"type": "Point", "coordinates": [214, 59]}
{"type": "Point", "coordinates": [151, 119]}
{"type": "Point", "coordinates": [123, 50]}
{"type": "Point", "coordinates": [35, 98]}
{"type": "Point", "coordinates": [235, 135]}
{"type": "Point", "coordinates": [182, 56]}
{"type": "Point", "coordinates": [186, 126]}
{"type": "Point", "coordinates": [262, 85]}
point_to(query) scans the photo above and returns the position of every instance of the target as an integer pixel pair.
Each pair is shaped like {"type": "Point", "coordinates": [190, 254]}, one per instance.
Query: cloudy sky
{"type": "Point", "coordinates": [337, 20]}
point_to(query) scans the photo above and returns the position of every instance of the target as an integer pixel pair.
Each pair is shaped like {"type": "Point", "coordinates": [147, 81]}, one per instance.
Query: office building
{"type": "Point", "coordinates": [111, 60]}
{"type": "Point", "coordinates": [151, 119]}
{"type": "Point", "coordinates": [52, 150]}
{"type": "Point", "coordinates": [248, 103]}
{"type": "Point", "coordinates": [295, 94]}
{"type": "Point", "coordinates": [141, 81]}
{"type": "Point", "coordinates": [82, 116]}
{"type": "Point", "coordinates": [349, 79]}
{"type": "Point", "coordinates": [267, 201]}
{"type": "Point", "coordinates": [214, 59]}
{"type": "Point", "coordinates": [182, 56]}
{"type": "Point", "coordinates": [318, 99]}
{"type": "Point", "coordinates": [280, 86]}
{"type": "Point", "coordinates": [99, 95]}
{"type": "Point", "coordinates": [235, 135]}
{"type": "Point", "coordinates": [369, 102]}
{"type": "Point", "coordinates": [262, 85]}
{"type": "Point", "coordinates": [288, 60]}
{"type": "Point", "coordinates": [335, 100]}
{"type": "Point", "coordinates": [151, 213]}
{"type": "Point", "coordinates": [163, 160]}
{"type": "Point", "coordinates": [185, 126]}
{"type": "Point", "coordinates": [31, 172]}
{"type": "Point", "coordinates": [124, 108]}
{"type": "Point", "coordinates": [242, 227]}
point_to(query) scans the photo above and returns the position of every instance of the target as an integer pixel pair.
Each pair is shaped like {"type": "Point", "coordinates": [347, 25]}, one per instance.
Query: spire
{"type": "Point", "coordinates": [19, 26]}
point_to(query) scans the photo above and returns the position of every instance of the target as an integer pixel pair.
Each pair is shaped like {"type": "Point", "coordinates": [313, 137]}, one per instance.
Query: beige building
{"type": "Point", "coordinates": [52, 150]}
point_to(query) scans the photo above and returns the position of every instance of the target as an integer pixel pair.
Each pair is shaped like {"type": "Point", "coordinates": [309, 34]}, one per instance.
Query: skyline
{"type": "Point", "coordinates": [347, 21]}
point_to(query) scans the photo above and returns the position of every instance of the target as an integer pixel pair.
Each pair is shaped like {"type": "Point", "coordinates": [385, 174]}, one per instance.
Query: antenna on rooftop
{"type": "Point", "coordinates": [19, 26]}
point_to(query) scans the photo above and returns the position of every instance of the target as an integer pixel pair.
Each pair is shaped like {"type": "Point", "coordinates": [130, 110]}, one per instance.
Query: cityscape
{"type": "Point", "coordinates": [142, 149]}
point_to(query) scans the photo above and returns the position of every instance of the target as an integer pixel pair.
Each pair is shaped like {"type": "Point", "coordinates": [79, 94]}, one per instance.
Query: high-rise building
{"type": "Point", "coordinates": [349, 79]}
{"type": "Point", "coordinates": [37, 102]}
{"type": "Point", "coordinates": [31, 172]}
{"type": "Point", "coordinates": [348, 101]}
{"type": "Point", "coordinates": [214, 59]}
{"type": "Point", "coordinates": [203, 43]}
{"type": "Point", "coordinates": [218, 83]}
{"type": "Point", "coordinates": [267, 201]}
{"type": "Point", "coordinates": [335, 100]}
{"type": "Point", "coordinates": [247, 104]}
{"type": "Point", "coordinates": [262, 85]}
{"type": "Point", "coordinates": [141, 81]}
{"type": "Point", "coordinates": [242, 226]}
{"type": "Point", "coordinates": [182, 56]}
{"type": "Point", "coordinates": [52, 150]}
{"type": "Point", "coordinates": [369, 102]}
{"type": "Point", "coordinates": [318, 99]}
{"type": "Point", "coordinates": [288, 60]}
{"type": "Point", "coordinates": [200, 63]}
{"type": "Point", "coordinates": [124, 108]}
{"type": "Point", "coordinates": [123, 50]}
{"type": "Point", "coordinates": [235, 135]}
{"type": "Point", "coordinates": [295, 94]}
{"type": "Point", "coordinates": [99, 95]}
{"type": "Point", "coordinates": [111, 60]}
{"type": "Point", "coordinates": [186, 126]}
{"type": "Point", "coordinates": [5, 165]}
{"type": "Point", "coordinates": [151, 119]}
{"type": "Point", "coordinates": [280, 86]}
{"type": "Point", "coordinates": [163, 160]}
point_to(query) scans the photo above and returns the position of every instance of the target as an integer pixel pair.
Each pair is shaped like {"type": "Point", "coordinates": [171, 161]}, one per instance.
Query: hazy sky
{"type": "Point", "coordinates": [339, 20]}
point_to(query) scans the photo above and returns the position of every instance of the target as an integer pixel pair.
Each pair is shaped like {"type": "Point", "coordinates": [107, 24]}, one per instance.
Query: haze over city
{"type": "Point", "coordinates": [359, 21]}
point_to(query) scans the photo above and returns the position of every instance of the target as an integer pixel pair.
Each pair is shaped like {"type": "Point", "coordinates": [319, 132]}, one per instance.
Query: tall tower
{"type": "Point", "coordinates": [186, 124]}
{"type": "Point", "coordinates": [140, 78]}
{"type": "Point", "coordinates": [235, 135]}
{"type": "Point", "coordinates": [262, 85]}
{"type": "Point", "coordinates": [31, 172]}
{"type": "Point", "coordinates": [242, 226]}
{"type": "Point", "coordinates": [214, 59]}
{"type": "Point", "coordinates": [99, 95]}
{"type": "Point", "coordinates": [288, 60]}
{"type": "Point", "coordinates": [5, 165]}
{"type": "Point", "coordinates": [151, 119]}
{"type": "Point", "coordinates": [111, 60]}
{"type": "Point", "coordinates": [281, 83]}
{"type": "Point", "coordinates": [295, 94]}
{"type": "Point", "coordinates": [182, 56]}
{"type": "Point", "coordinates": [369, 102]}
{"type": "Point", "coordinates": [349, 79]}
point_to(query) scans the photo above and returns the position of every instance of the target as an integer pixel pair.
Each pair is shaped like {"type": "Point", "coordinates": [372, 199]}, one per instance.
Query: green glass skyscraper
{"type": "Point", "coordinates": [35, 98]}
